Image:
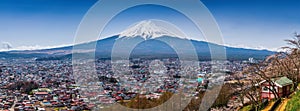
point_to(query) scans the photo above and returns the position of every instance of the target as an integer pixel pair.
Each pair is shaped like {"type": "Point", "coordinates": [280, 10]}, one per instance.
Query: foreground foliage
{"type": "Point", "coordinates": [294, 103]}
{"type": "Point", "coordinates": [143, 103]}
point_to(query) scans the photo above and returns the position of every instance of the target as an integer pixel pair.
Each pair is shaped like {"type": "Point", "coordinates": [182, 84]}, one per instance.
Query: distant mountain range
{"type": "Point", "coordinates": [153, 44]}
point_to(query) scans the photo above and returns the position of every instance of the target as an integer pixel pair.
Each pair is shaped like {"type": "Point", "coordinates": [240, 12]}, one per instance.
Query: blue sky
{"type": "Point", "coordinates": [40, 23]}
{"type": "Point", "coordinates": [244, 23]}
{"type": "Point", "coordinates": [256, 23]}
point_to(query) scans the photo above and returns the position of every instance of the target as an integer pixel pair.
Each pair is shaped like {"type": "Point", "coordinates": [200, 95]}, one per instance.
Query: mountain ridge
{"type": "Point", "coordinates": [150, 48]}
{"type": "Point", "coordinates": [154, 42]}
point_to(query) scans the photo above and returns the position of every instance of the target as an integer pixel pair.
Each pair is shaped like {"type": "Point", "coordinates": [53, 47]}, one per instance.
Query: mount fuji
{"type": "Point", "coordinates": [148, 30]}
{"type": "Point", "coordinates": [150, 36]}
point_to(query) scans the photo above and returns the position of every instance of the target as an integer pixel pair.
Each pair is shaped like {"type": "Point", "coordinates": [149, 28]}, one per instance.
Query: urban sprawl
{"type": "Point", "coordinates": [28, 84]}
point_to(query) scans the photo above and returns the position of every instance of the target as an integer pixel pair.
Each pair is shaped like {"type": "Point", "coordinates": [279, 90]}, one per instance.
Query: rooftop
{"type": "Point", "coordinates": [283, 81]}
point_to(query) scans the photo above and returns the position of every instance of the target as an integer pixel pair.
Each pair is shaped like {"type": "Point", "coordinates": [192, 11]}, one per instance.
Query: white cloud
{"type": "Point", "coordinates": [253, 47]}
{"type": "Point", "coordinates": [6, 45]}
{"type": "Point", "coordinates": [35, 47]}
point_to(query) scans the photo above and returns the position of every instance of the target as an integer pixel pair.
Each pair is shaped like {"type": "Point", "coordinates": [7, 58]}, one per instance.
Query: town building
{"type": "Point", "coordinates": [282, 86]}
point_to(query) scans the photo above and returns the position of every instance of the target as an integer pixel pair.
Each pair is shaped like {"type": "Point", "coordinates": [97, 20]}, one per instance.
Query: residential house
{"type": "Point", "coordinates": [282, 86]}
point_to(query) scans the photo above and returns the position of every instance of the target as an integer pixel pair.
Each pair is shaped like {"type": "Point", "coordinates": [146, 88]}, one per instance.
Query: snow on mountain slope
{"type": "Point", "coordinates": [149, 29]}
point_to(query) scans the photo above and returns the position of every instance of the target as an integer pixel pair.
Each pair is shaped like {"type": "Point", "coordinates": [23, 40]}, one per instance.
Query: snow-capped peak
{"type": "Point", "coordinates": [147, 29]}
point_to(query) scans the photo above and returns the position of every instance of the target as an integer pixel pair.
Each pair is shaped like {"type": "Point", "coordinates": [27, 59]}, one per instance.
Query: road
{"type": "Point", "coordinates": [268, 108]}
{"type": "Point", "coordinates": [13, 106]}
{"type": "Point", "coordinates": [282, 105]}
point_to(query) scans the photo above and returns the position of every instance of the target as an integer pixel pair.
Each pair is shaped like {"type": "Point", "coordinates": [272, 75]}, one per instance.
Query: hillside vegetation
{"type": "Point", "coordinates": [294, 102]}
